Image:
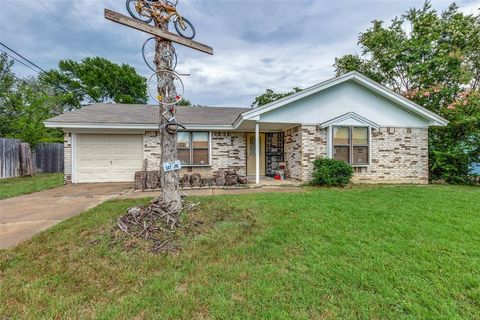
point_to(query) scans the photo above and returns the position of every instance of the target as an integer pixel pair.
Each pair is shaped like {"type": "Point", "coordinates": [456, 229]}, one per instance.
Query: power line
{"type": "Point", "coordinates": [38, 72]}
{"type": "Point", "coordinates": [66, 28]}
{"type": "Point", "coordinates": [18, 54]}
{"type": "Point", "coordinates": [99, 36]}
{"type": "Point", "coordinates": [19, 61]}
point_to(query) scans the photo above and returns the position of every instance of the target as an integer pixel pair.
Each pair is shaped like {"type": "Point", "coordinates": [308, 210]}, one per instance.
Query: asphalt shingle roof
{"type": "Point", "coordinates": [148, 114]}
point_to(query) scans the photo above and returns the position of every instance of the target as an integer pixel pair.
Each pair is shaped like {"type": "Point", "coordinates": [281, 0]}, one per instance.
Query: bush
{"type": "Point", "coordinates": [331, 172]}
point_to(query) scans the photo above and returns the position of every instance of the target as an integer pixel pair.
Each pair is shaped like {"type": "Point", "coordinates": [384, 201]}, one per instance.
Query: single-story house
{"type": "Point", "coordinates": [383, 135]}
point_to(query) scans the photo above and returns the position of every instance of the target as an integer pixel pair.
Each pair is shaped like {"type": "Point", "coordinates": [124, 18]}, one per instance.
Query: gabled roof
{"type": "Point", "coordinates": [359, 79]}
{"type": "Point", "coordinates": [350, 116]}
{"type": "Point", "coordinates": [134, 116]}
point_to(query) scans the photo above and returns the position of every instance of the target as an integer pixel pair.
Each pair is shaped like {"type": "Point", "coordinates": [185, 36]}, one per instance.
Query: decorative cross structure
{"type": "Point", "coordinates": [167, 96]}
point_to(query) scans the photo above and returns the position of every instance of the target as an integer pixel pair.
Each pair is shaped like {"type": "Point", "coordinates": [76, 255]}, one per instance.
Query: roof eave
{"type": "Point", "coordinates": [85, 125]}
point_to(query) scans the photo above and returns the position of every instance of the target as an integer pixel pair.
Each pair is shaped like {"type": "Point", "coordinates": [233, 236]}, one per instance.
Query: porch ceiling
{"type": "Point", "coordinates": [249, 126]}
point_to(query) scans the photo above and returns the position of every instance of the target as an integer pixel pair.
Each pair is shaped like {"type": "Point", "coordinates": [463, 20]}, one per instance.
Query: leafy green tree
{"type": "Point", "coordinates": [184, 102]}
{"type": "Point", "coordinates": [95, 80]}
{"type": "Point", "coordinates": [434, 60]}
{"type": "Point", "coordinates": [271, 96]}
{"type": "Point", "coordinates": [24, 105]}
{"type": "Point", "coordinates": [29, 105]}
{"type": "Point", "coordinates": [8, 84]}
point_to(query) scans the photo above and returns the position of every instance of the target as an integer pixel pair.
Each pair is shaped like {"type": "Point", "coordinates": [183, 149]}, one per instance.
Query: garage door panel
{"type": "Point", "coordinates": [108, 158]}
{"type": "Point", "coordinates": [93, 176]}
{"type": "Point", "coordinates": [93, 139]}
{"type": "Point", "coordinates": [122, 175]}
{"type": "Point", "coordinates": [125, 152]}
{"type": "Point", "coordinates": [121, 139]}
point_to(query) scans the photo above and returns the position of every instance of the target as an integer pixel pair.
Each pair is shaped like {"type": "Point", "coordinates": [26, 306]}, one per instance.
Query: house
{"type": "Point", "coordinates": [352, 118]}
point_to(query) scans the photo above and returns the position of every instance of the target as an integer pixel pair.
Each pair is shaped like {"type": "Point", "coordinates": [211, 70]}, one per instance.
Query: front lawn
{"type": "Point", "coordinates": [12, 187]}
{"type": "Point", "coordinates": [403, 252]}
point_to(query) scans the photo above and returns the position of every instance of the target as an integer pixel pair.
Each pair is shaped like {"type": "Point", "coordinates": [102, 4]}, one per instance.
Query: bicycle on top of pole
{"type": "Point", "coordinates": [161, 11]}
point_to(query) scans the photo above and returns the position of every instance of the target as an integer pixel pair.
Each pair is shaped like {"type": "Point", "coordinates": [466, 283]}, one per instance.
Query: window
{"type": "Point", "coordinates": [351, 144]}
{"type": "Point", "coordinates": [193, 148]}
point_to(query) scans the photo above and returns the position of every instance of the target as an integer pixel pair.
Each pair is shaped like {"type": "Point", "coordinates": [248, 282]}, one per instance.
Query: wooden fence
{"type": "Point", "coordinates": [49, 157]}
{"type": "Point", "coordinates": [16, 158]}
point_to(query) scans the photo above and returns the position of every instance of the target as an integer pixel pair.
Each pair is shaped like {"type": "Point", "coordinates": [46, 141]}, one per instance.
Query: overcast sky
{"type": "Point", "coordinates": [257, 44]}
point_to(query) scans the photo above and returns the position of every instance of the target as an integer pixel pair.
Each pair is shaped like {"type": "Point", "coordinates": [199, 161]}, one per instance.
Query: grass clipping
{"type": "Point", "coordinates": [155, 223]}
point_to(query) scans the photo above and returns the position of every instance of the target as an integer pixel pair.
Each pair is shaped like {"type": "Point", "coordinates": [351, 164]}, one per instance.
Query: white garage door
{"type": "Point", "coordinates": [108, 157]}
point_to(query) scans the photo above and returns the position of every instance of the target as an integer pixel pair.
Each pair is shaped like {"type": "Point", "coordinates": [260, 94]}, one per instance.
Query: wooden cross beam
{"type": "Point", "coordinates": [130, 22]}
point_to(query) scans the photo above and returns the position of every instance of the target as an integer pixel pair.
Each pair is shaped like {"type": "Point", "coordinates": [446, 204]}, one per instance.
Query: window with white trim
{"type": "Point", "coordinates": [351, 144]}
{"type": "Point", "coordinates": [193, 148]}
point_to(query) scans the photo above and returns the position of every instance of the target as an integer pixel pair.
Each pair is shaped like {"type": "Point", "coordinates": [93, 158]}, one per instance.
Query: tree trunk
{"type": "Point", "coordinates": [168, 142]}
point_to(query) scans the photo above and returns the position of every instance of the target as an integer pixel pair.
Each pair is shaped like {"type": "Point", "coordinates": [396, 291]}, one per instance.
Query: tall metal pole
{"type": "Point", "coordinates": [168, 141]}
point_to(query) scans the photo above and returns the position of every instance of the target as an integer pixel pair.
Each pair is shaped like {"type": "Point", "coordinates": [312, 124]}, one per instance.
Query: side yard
{"type": "Point", "coordinates": [392, 252]}
{"type": "Point", "coordinates": [12, 187]}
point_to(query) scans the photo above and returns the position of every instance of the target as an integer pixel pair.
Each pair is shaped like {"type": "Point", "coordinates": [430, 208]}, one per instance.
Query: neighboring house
{"type": "Point", "coordinates": [382, 134]}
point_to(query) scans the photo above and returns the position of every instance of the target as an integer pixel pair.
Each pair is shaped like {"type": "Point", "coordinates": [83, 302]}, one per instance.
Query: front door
{"type": "Point", "coordinates": [251, 154]}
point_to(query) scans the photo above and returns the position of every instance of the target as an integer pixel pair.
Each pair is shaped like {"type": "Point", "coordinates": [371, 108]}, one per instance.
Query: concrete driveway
{"type": "Point", "coordinates": [23, 216]}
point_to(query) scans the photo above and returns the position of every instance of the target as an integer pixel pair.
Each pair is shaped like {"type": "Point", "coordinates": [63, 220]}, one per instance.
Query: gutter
{"type": "Point", "coordinates": [84, 125]}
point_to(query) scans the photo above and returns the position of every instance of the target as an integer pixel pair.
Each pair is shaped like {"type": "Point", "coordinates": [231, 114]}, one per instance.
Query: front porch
{"type": "Point", "coordinates": [269, 153]}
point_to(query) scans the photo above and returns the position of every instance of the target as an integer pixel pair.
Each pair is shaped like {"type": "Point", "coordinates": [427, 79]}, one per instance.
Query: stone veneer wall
{"type": "Point", "coordinates": [227, 152]}
{"type": "Point", "coordinates": [398, 155]}
{"type": "Point", "coordinates": [67, 157]}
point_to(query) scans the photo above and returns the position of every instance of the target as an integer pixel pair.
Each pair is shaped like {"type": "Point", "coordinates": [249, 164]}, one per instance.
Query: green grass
{"type": "Point", "coordinates": [402, 252]}
{"type": "Point", "coordinates": [12, 187]}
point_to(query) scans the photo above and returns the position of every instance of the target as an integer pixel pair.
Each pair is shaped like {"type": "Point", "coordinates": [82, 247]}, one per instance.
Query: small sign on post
{"type": "Point", "coordinates": [172, 166]}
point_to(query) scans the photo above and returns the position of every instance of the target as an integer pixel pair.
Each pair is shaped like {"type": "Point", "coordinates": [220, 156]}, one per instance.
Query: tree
{"type": "Point", "coordinates": [271, 96]}
{"type": "Point", "coordinates": [95, 80]}
{"type": "Point", "coordinates": [31, 104]}
{"type": "Point", "coordinates": [434, 60]}
{"type": "Point", "coordinates": [184, 102]}
{"type": "Point", "coordinates": [24, 105]}
{"type": "Point", "coordinates": [8, 84]}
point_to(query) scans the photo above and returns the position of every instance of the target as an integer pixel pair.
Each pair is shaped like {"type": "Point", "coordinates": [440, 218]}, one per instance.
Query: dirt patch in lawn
{"type": "Point", "coordinates": [151, 228]}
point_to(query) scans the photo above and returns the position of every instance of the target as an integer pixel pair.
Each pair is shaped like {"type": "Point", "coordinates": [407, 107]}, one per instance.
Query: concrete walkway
{"type": "Point", "coordinates": [213, 192]}
{"type": "Point", "coordinates": [23, 216]}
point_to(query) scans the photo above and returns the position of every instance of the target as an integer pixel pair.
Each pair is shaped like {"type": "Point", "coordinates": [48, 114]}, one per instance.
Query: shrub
{"type": "Point", "coordinates": [331, 172]}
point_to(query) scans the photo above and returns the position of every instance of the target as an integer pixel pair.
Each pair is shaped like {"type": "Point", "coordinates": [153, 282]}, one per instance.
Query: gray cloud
{"type": "Point", "coordinates": [258, 44]}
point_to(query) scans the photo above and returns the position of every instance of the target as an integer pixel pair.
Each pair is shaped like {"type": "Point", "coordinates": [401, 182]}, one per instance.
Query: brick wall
{"type": "Point", "coordinates": [227, 152]}
{"type": "Point", "coordinates": [151, 150]}
{"type": "Point", "coordinates": [398, 155]}
{"type": "Point", "coordinates": [293, 152]}
{"type": "Point", "coordinates": [303, 144]}
{"type": "Point", "coordinates": [67, 157]}
{"type": "Point", "coordinates": [314, 145]}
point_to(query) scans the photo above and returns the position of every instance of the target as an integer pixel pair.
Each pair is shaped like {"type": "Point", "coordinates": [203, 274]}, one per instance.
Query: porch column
{"type": "Point", "coordinates": [257, 153]}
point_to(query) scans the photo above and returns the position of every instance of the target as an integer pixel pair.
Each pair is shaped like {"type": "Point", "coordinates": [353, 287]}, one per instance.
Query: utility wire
{"type": "Point", "coordinates": [38, 72]}
{"type": "Point", "coordinates": [65, 26]}
{"type": "Point", "coordinates": [99, 35]}
{"type": "Point", "coordinates": [19, 61]}
{"type": "Point", "coordinates": [18, 54]}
